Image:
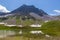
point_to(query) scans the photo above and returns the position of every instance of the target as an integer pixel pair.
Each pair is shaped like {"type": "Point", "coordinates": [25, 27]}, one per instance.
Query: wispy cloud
{"type": "Point", "coordinates": [3, 9]}
{"type": "Point", "coordinates": [57, 11]}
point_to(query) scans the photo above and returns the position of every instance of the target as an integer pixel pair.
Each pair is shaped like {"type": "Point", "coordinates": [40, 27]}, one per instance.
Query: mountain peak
{"type": "Point", "coordinates": [24, 5]}
{"type": "Point", "coordinates": [26, 9]}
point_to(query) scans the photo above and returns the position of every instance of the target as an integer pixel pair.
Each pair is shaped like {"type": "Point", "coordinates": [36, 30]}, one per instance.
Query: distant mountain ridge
{"type": "Point", "coordinates": [30, 11]}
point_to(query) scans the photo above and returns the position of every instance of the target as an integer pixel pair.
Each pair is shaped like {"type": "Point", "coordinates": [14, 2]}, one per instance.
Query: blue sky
{"type": "Point", "coordinates": [49, 6]}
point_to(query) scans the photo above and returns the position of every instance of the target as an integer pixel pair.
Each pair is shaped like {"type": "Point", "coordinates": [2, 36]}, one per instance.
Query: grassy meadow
{"type": "Point", "coordinates": [51, 28]}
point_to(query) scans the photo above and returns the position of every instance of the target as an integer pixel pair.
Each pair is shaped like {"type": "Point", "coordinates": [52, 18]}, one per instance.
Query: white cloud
{"type": "Point", "coordinates": [52, 14]}
{"type": "Point", "coordinates": [57, 11]}
{"type": "Point", "coordinates": [3, 9]}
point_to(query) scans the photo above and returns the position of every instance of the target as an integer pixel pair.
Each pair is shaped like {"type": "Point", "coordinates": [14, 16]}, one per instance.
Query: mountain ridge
{"type": "Point", "coordinates": [26, 9]}
{"type": "Point", "coordinates": [30, 11]}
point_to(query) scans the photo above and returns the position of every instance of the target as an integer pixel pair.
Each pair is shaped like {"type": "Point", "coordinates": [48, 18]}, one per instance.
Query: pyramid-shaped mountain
{"type": "Point", "coordinates": [26, 9]}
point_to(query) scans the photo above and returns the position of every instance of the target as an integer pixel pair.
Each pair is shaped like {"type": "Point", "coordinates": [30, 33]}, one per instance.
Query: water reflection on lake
{"type": "Point", "coordinates": [4, 33]}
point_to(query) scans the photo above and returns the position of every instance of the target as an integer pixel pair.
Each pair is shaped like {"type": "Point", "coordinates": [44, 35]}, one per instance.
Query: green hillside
{"type": "Point", "coordinates": [51, 28]}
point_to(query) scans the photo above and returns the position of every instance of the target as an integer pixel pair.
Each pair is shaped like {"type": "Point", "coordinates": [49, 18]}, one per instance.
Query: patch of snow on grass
{"type": "Point", "coordinates": [36, 32]}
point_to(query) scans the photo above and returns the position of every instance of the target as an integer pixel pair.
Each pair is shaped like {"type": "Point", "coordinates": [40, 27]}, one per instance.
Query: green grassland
{"type": "Point", "coordinates": [51, 28]}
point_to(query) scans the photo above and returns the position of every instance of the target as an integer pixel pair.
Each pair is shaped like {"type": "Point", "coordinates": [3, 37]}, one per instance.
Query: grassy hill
{"type": "Point", "coordinates": [51, 28]}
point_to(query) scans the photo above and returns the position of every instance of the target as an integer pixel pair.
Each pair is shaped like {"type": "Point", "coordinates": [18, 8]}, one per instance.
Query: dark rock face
{"type": "Point", "coordinates": [25, 10]}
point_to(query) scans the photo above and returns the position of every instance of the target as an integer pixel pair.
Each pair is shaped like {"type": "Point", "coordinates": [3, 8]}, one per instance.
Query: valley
{"type": "Point", "coordinates": [29, 23]}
